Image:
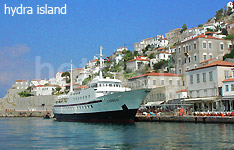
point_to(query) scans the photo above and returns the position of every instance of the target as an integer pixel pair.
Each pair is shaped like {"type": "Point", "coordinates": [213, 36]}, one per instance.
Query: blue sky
{"type": "Point", "coordinates": [88, 24]}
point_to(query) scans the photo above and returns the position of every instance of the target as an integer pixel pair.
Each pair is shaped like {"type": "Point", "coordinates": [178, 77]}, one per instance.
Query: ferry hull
{"type": "Point", "coordinates": [126, 116]}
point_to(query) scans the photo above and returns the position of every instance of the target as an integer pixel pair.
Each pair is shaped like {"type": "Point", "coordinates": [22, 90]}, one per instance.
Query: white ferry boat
{"type": "Point", "coordinates": [106, 100]}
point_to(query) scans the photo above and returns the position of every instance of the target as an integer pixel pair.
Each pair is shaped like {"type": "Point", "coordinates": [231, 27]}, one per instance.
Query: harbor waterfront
{"type": "Point", "coordinates": [38, 133]}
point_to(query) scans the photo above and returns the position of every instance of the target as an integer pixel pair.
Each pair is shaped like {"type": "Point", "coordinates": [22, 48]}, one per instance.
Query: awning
{"type": "Point", "coordinates": [231, 97]}
{"type": "Point", "coordinates": [202, 99]}
{"type": "Point", "coordinates": [157, 103]}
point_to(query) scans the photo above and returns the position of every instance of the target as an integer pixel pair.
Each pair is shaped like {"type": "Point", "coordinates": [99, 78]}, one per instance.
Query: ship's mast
{"type": "Point", "coordinates": [100, 73]}
{"type": "Point", "coordinates": [71, 86]}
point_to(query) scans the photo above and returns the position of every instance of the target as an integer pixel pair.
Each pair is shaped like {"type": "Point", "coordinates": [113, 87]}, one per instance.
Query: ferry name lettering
{"type": "Point", "coordinates": [112, 100]}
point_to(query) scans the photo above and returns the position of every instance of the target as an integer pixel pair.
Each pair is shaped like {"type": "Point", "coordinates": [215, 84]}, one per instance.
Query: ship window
{"type": "Point", "coordinates": [89, 96]}
{"type": "Point", "coordinates": [86, 96]}
{"type": "Point", "coordinates": [110, 85]}
{"type": "Point", "coordinates": [92, 106]}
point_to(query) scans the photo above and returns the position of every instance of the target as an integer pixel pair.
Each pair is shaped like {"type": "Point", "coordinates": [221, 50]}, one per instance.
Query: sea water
{"type": "Point", "coordinates": [39, 133]}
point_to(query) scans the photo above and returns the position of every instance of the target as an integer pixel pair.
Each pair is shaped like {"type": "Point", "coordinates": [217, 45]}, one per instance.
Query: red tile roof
{"type": "Point", "coordinates": [207, 60]}
{"type": "Point", "coordinates": [20, 80]}
{"type": "Point", "coordinates": [94, 60]}
{"type": "Point", "coordinates": [216, 63]}
{"type": "Point", "coordinates": [177, 29]}
{"type": "Point", "coordinates": [79, 69]}
{"type": "Point", "coordinates": [180, 91]}
{"type": "Point", "coordinates": [73, 84]}
{"type": "Point", "coordinates": [156, 74]}
{"type": "Point", "coordinates": [201, 36]}
{"type": "Point", "coordinates": [229, 80]}
{"type": "Point", "coordinates": [81, 87]}
{"type": "Point", "coordinates": [36, 80]}
{"type": "Point", "coordinates": [139, 59]}
{"type": "Point", "coordinates": [48, 85]}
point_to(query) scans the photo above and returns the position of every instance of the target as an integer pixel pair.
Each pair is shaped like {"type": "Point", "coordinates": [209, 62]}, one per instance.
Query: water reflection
{"type": "Point", "coordinates": [36, 133]}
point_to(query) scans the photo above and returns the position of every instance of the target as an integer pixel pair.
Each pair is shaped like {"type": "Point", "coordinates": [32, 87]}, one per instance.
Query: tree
{"type": "Point", "coordinates": [229, 11]}
{"type": "Point", "coordinates": [200, 25]}
{"type": "Point", "coordinates": [210, 30]}
{"type": "Point", "coordinates": [224, 31]}
{"type": "Point", "coordinates": [151, 56]}
{"type": "Point", "coordinates": [219, 15]}
{"type": "Point", "coordinates": [160, 64]}
{"type": "Point", "coordinates": [128, 55]}
{"type": "Point", "coordinates": [67, 76]}
{"type": "Point", "coordinates": [184, 27]}
{"type": "Point", "coordinates": [135, 53]}
{"type": "Point", "coordinates": [146, 49]}
{"type": "Point", "coordinates": [25, 94]}
{"type": "Point", "coordinates": [58, 89]}
{"type": "Point", "coordinates": [230, 37]}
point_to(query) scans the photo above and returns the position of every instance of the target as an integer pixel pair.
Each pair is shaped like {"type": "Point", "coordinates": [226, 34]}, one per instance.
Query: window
{"type": "Point", "coordinates": [195, 46]}
{"type": "Point", "coordinates": [195, 58]}
{"type": "Point", "coordinates": [154, 82]}
{"type": "Point", "coordinates": [162, 82]}
{"type": "Point", "coordinates": [211, 56]}
{"type": "Point", "coordinates": [226, 72]}
{"type": "Point", "coordinates": [184, 49]}
{"type": "Point", "coordinates": [204, 57]}
{"type": "Point", "coordinates": [198, 78]}
{"type": "Point", "coordinates": [170, 82]}
{"type": "Point", "coordinates": [179, 61]}
{"type": "Point", "coordinates": [204, 77]}
{"type": "Point", "coordinates": [222, 46]}
{"type": "Point", "coordinates": [189, 47]}
{"type": "Point", "coordinates": [211, 75]}
{"type": "Point", "coordinates": [185, 60]}
{"type": "Point", "coordinates": [189, 59]}
{"type": "Point", "coordinates": [179, 49]}
{"type": "Point", "coordinates": [198, 95]}
{"type": "Point", "coordinates": [232, 87]}
{"type": "Point", "coordinates": [191, 79]}
{"type": "Point", "coordinates": [204, 44]}
{"type": "Point", "coordinates": [210, 45]}
{"type": "Point", "coordinates": [180, 71]}
{"type": "Point", "coordinates": [226, 87]}
{"type": "Point", "coordinates": [195, 66]}
{"type": "Point", "coordinates": [178, 82]}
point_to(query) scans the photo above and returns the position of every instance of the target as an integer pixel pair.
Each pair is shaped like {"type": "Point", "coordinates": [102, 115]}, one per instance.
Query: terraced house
{"type": "Point", "coordinates": [192, 53]}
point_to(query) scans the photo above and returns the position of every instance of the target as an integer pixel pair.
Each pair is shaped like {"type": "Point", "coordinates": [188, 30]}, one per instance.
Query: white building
{"type": "Point", "coordinates": [205, 85]}
{"type": "Point", "coordinates": [118, 58]}
{"type": "Point", "coordinates": [163, 85]}
{"type": "Point", "coordinates": [182, 94]}
{"type": "Point", "coordinates": [120, 49]}
{"type": "Point", "coordinates": [228, 93]}
{"type": "Point", "coordinates": [20, 85]}
{"type": "Point", "coordinates": [83, 75]}
{"type": "Point", "coordinates": [137, 63]}
{"type": "Point", "coordinates": [230, 4]}
{"type": "Point", "coordinates": [162, 56]}
{"type": "Point", "coordinates": [44, 89]}
{"type": "Point", "coordinates": [158, 41]}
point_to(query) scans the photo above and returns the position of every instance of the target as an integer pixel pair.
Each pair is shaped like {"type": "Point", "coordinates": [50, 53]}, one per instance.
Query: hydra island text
{"type": "Point", "coordinates": [42, 10]}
